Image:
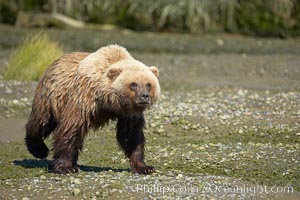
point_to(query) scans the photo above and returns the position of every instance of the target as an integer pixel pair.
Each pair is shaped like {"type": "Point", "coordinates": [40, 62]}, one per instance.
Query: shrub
{"type": "Point", "coordinates": [254, 17]}
{"type": "Point", "coordinates": [266, 19]}
{"type": "Point", "coordinates": [30, 59]}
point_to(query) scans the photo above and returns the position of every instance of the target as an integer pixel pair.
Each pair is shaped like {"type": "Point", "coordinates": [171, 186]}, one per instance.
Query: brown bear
{"type": "Point", "coordinates": [82, 91]}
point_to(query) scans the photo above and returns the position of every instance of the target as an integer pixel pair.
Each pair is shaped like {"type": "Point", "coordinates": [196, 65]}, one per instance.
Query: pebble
{"type": "Point", "coordinates": [195, 113]}
{"type": "Point", "coordinates": [160, 130]}
{"type": "Point", "coordinates": [77, 181]}
{"type": "Point", "coordinates": [201, 148]}
{"type": "Point", "coordinates": [76, 191]}
{"type": "Point", "coordinates": [8, 90]}
{"type": "Point", "coordinates": [179, 176]}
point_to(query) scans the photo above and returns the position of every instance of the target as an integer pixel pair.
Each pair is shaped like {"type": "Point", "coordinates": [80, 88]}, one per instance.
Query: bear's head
{"type": "Point", "coordinates": [131, 86]}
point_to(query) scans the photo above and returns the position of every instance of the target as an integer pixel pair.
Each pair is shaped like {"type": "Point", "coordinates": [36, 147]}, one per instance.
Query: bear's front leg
{"type": "Point", "coordinates": [131, 139]}
{"type": "Point", "coordinates": [137, 161]}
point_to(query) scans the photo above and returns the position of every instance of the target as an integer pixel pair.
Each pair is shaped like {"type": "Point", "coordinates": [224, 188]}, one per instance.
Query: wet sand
{"type": "Point", "coordinates": [12, 129]}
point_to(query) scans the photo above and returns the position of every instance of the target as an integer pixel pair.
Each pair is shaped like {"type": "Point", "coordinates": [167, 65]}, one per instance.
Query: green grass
{"type": "Point", "coordinates": [30, 59]}
{"type": "Point", "coordinates": [255, 17]}
{"type": "Point", "coordinates": [259, 161]}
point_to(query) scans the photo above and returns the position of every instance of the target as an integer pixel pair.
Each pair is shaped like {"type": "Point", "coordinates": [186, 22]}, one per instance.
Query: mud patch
{"type": "Point", "coordinates": [12, 129]}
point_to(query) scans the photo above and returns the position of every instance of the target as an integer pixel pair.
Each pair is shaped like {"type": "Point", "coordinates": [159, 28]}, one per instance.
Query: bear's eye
{"type": "Point", "coordinates": [148, 86]}
{"type": "Point", "coordinates": [133, 86]}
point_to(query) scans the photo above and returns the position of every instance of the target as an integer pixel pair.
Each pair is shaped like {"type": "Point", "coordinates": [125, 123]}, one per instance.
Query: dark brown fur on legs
{"type": "Point", "coordinates": [66, 154]}
{"type": "Point", "coordinates": [68, 141]}
{"type": "Point", "coordinates": [131, 139]}
{"type": "Point", "coordinates": [39, 128]}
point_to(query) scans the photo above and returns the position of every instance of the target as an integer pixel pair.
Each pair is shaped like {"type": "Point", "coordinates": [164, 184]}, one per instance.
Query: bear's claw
{"type": "Point", "coordinates": [64, 169]}
{"type": "Point", "coordinates": [144, 170]}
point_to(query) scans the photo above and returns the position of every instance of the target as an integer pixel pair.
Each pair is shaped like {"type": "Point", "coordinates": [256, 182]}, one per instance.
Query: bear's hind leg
{"type": "Point", "coordinates": [37, 130]}
{"type": "Point", "coordinates": [66, 148]}
{"type": "Point", "coordinates": [131, 138]}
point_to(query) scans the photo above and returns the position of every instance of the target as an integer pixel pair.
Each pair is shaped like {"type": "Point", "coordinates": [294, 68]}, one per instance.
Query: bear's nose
{"type": "Point", "coordinates": [145, 96]}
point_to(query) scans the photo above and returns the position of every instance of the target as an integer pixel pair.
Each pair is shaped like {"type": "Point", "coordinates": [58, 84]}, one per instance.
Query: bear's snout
{"type": "Point", "coordinates": [145, 96]}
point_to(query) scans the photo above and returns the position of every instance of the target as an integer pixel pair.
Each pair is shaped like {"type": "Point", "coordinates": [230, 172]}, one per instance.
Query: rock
{"type": "Point", "coordinates": [76, 191]}
{"type": "Point", "coordinates": [225, 116]}
{"type": "Point", "coordinates": [33, 19]}
{"type": "Point", "coordinates": [8, 90]}
{"type": "Point", "coordinates": [220, 42]}
{"type": "Point", "coordinates": [179, 176]}
{"type": "Point", "coordinates": [201, 148]}
{"type": "Point", "coordinates": [15, 101]}
{"type": "Point", "coordinates": [160, 130]}
{"type": "Point", "coordinates": [76, 181]}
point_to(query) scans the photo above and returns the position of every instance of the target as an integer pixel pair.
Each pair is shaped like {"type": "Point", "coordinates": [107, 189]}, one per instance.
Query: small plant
{"type": "Point", "coordinates": [30, 59]}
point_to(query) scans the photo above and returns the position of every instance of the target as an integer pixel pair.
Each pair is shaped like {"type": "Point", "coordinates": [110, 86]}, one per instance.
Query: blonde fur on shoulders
{"type": "Point", "coordinates": [96, 63]}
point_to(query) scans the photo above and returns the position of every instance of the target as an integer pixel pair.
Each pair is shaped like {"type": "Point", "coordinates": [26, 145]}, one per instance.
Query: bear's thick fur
{"type": "Point", "coordinates": [81, 91]}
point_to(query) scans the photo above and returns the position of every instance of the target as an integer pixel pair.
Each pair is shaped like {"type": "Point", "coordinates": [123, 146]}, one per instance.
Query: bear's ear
{"type": "Point", "coordinates": [154, 70]}
{"type": "Point", "coordinates": [114, 72]}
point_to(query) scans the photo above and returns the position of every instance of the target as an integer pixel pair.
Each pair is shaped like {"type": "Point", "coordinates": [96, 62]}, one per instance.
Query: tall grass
{"type": "Point", "coordinates": [192, 15]}
{"type": "Point", "coordinates": [257, 17]}
{"type": "Point", "coordinates": [186, 15]}
{"type": "Point", "coordinates": [30, 59]}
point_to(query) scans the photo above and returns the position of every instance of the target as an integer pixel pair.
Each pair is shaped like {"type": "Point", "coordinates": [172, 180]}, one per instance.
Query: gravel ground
{"type": "Point", "coordinates": [115, 185]}
{"type": "Point", "coordinates": [227, 125]}
{"type": "Point", "coordinates": [211, 143]}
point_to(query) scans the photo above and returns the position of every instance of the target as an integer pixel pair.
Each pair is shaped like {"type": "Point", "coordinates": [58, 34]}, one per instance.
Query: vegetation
{"type": "Point", "coordinates": [30, 59]}
{"type": "Point", "coordinates": [255, 17]}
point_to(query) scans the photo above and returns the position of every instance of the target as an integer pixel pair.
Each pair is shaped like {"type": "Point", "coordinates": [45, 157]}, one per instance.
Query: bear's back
{"type": "Point", "coordinates": [62, 72]}
{"type": "Point", "coordinates": [58, 80]}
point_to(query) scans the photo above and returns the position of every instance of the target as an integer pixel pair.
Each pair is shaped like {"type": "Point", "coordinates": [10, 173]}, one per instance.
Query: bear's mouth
{"type": "Point", "coordinates": [143, 103]}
